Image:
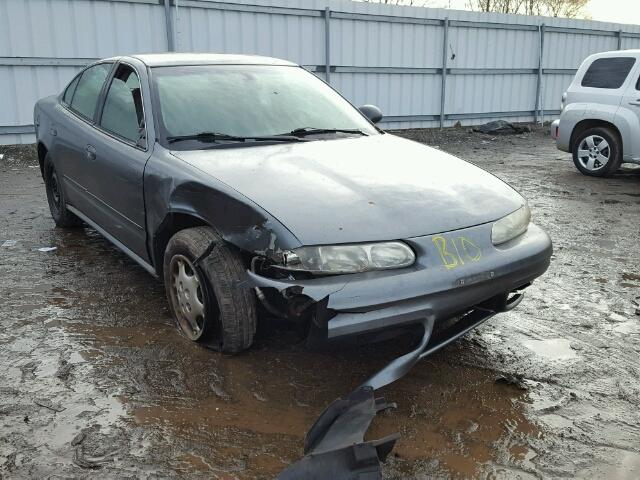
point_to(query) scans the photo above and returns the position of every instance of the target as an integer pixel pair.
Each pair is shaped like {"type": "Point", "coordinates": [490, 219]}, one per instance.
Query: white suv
{"type": "Point", "coordinates": [600, 119]}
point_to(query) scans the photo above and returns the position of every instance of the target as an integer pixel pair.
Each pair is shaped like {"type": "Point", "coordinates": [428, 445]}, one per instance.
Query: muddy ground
{"type": "Point", "coordinates": [95, 381]}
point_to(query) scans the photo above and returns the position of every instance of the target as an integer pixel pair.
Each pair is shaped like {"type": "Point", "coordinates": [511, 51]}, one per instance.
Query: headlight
{"type": "Point", "coordinates": [333, 259]}
{"type": "Point", "coordinates": [509, 227]}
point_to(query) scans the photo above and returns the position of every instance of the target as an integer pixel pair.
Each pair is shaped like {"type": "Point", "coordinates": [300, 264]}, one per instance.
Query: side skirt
{"type": "Point", "coordinates": [148, 267]}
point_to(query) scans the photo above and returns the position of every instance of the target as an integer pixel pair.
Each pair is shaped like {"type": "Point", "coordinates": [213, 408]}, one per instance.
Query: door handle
{"type": "Point", "coordinates": [635, 102]}
{"type": "Point", "coordinates": [91, 152]}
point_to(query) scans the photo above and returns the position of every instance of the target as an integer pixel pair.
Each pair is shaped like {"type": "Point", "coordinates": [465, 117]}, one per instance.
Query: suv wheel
{"type": "Point", "coordinates": [597, 152]}
{"type": "Point", "coordinates": [55, 197]}
{"type": "Point", "coordinates": [203, 295]}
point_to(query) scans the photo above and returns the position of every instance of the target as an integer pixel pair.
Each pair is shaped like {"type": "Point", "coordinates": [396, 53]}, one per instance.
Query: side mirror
{"type": "Point", "coordinates": [372, 112]}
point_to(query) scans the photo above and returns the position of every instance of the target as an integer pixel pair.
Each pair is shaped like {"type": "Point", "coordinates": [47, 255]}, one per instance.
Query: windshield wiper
{"type": "Point", "coordinates": [301, 132]}
{"type": "Point", "coordinates": [212, 137]}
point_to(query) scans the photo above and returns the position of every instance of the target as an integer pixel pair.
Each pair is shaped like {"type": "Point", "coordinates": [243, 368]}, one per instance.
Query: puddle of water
{"type": "Point", "coordinates": [104, 411]}
{"type": "Point", "coordinates": [459, 427]}
{"type": "Point", "coordinates": [552, 349]}
{"type": "Point", "coordinates": [50, 407]}
{"type": "Point", "coordinates": [465, 427]}
{"type": "Point", "coordinates": [119, 335]}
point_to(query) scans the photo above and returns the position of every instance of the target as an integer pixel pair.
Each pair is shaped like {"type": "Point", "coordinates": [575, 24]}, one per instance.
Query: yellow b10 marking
{"type": "Point", "coordinates": [463, 249]}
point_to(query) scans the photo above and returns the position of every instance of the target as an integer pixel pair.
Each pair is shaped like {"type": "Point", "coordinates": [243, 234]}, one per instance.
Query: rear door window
{"type": "Point", "coordinates": [87, 92]}
{"type": "Point", "coordinates": [122, 113]}
{"type": "Point", "coordinates": [608, 72]}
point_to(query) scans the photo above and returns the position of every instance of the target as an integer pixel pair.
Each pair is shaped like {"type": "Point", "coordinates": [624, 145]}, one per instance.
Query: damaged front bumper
{"type": "Point", "coordinates": [454, 272]}
{"type": "Point", "coordinates": [459, 274]}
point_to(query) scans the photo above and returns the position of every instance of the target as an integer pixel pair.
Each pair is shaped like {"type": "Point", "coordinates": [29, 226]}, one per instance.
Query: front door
{"type": "Point", "coordinates": [120, 153]}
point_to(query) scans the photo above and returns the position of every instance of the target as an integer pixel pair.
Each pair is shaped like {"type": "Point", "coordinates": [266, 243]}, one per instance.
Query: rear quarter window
{"type": "Point", "coordinates": [608, 72]}
{"type": "Point", "coordinates": [68, 93]}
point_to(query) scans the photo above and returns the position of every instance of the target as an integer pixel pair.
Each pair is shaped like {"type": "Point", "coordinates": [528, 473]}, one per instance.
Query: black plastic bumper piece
{"type": "Point", "coordinates": [335, 447]}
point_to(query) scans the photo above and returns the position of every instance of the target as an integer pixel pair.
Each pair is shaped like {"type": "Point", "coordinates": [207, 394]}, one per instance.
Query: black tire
{"type": "Point", "coordinates": [56, 197]}
{"type": "Point", "coordinates": [229, 322]}
{"type": "Point", "coordinates": [614, 152]}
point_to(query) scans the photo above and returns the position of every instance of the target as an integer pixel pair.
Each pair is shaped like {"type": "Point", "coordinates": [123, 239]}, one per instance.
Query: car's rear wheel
{"type": "Point", "coordinates": [203, 293]}
{"type": "Point", "coordinates": [56, 198]}
{"type": "Point", "coordinates": [597, 152]}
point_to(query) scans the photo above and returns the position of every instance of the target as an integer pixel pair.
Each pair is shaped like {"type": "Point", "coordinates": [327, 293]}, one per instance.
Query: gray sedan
{"type": "Point", "coordinates": [252, 188]}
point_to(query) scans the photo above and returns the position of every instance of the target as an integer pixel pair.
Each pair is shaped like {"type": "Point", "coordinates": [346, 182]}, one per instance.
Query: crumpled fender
{"type": "Point", "coordinates": [179, 188]}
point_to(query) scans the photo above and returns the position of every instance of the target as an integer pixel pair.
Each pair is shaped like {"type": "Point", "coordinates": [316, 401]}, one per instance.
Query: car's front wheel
{"type": "Point", "coordinates": [203, 292]}
{"type": "Point", "coordinates": [56, 197]}
{"type": "Point", "coordinates": [597, 152]}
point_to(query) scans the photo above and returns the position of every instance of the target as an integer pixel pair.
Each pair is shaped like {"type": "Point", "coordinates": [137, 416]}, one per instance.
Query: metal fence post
{"type": "Point", "coordinates": [619, 35]}
{"type": "Point", "coordinates": [445, 58]}
{"type": "Point", "coordinates": [169, 25]}
{"type": "Point", "coordinates": [327, 44]}
{"type": "Point", "coordinates": [539, 109]}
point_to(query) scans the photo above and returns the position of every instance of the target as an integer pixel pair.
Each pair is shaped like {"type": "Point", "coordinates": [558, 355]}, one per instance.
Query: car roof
{"type": "Point", "coordinates": [173, 59]}
{"type": "Point", "coordinates": [617, 53]}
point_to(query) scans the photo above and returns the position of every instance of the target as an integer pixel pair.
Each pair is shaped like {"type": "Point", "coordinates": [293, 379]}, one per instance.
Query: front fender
{"type": "Point", "coordinates": [173, 186]}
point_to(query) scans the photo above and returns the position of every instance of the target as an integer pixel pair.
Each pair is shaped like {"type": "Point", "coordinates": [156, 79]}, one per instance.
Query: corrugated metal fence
{"type": "Point", "coordinates": [423, 67]}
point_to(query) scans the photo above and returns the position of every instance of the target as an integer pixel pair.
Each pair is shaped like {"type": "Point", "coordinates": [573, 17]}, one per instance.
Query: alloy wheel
{"type": "Point", "coordinates": [594, 153]}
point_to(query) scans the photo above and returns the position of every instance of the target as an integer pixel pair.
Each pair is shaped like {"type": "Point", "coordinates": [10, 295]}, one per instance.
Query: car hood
{"type": "Point", "coordinates": [360, 189]}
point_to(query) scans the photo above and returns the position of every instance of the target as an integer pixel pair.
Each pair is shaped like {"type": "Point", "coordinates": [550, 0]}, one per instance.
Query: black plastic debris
{"type": "Point", "coordinates": [335, 447]}
{"type": "Point", "coordinates": [399, 367]}
{"type": "Point", "coordinates": [501, 127]}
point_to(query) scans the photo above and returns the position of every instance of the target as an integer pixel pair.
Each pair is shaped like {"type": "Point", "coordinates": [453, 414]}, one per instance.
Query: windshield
{"type": "Point", "coordinates": [248, 100]}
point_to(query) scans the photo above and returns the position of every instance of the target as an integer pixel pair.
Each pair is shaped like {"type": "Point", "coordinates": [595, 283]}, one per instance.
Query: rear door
{"type": "Point", "coordinates": [120, 153]}
{"type": "Point", "coordinates": [74, 131]}
{"type": "Point", "coordinates": [604, 83]}
{"type": "Point", "coordinates": [631, 103]}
